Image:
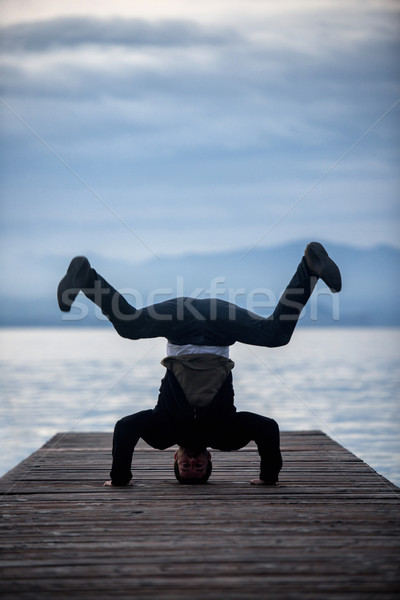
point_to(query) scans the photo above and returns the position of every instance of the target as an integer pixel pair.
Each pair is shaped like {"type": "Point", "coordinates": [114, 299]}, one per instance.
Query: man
{"type": "Point", "coordinates": [195, 407]}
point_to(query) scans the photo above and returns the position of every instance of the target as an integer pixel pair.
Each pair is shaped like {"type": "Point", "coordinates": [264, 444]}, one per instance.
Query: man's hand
{"type": "Point", "coordinates": [262, 482]}
{"type": "Point", "coordinates": [109, 483]}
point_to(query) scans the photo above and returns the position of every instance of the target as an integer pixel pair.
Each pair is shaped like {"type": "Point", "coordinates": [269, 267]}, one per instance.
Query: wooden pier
{"type": "Point", "coordinates": [329, 532]}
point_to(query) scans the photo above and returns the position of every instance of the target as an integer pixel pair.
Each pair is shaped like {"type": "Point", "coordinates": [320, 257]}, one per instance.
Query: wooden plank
{"type": "Point", "coordinates": [331, 530]}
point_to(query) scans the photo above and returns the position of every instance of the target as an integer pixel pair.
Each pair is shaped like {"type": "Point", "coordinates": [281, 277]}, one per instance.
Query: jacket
{"type": "Point", "coordinates": [196, 391]}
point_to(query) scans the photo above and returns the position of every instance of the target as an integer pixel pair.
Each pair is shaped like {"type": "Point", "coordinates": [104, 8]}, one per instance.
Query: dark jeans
{"type": "Point", "coordinates": [204, 321]}
{"type": "Point", "coordinates": [237, 432]}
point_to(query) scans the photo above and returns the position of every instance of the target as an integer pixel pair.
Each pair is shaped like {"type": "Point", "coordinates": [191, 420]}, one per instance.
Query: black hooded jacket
{"type": "Point", "coordinates": [193, 425]}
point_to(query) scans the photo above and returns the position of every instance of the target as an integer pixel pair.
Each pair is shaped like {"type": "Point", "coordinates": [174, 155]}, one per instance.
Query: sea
{"type": "Point", "coordinates": [342, 381]}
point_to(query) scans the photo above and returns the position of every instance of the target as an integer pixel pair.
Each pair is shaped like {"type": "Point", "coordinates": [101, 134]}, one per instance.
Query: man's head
{"type": "Point", "coordinates": [192, 466]}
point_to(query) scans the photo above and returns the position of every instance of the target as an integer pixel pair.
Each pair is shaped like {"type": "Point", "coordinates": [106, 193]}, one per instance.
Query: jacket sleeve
{"type": "Point", "coordinates": [266, 436]}
{"type": "Point", "coordinates": [244, 427]}
{"type": "Point", "coordinates": [127, 432]}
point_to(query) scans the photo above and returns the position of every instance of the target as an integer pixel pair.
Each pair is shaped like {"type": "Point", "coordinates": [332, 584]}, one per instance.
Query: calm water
{"type": "Point", "coordinates": [344, 382]}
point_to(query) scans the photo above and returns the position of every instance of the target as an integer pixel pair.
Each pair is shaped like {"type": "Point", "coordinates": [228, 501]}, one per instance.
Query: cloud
{"type": "Point", "coordinates": [233, 90]}
{"type": "Point", "coordinates": [198, 134]}
{"type": "Point", "coordinates": [73, 32]}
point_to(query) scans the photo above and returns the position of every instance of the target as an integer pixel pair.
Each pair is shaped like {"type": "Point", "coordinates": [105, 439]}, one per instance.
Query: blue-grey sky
{"type": "Point", "coordinates": [134, 129]}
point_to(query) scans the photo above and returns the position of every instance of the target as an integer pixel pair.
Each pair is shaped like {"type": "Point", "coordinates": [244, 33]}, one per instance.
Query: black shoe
{"type": "Point", "coordinates": [321, 265]}
{"type": "Point", "coordinates": [75, 279]}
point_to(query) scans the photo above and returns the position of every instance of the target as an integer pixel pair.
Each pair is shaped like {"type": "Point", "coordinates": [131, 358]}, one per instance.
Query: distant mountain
{"type": "Point", "coordinates": [255, 279]}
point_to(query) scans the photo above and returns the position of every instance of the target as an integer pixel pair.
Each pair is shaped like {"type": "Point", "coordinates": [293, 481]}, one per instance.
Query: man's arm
{"type": "Point", "coordinates": [268, 444]}
{"type": "Point", "coordinates": [127, 432]}
{"type": "Point", "coordinates": [265, 433]}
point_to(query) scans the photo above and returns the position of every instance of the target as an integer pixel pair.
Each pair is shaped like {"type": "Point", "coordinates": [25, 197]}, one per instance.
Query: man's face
{"type": "Point", "coordinates": [191, 464]}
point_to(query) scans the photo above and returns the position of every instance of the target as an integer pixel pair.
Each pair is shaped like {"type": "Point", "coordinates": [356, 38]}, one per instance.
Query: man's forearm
{"type": "Point", "coordinates": [127, 432]}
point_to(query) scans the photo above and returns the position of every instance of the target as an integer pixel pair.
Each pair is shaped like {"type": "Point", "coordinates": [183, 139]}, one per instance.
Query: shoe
{"type": "Point", "coordinates": [70, 285]}
{"type": "Point", "coordinates": [321, 265]}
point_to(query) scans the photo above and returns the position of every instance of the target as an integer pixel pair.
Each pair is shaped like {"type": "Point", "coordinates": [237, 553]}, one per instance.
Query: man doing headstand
{"type": "Point", "coordinates": [195, 407]}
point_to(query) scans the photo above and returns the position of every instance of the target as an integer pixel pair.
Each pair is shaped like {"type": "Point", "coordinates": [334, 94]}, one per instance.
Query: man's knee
{"type": "Point", "coordinates": [125, 329]}
{"type": "Point", "coordinates": [279, 337]}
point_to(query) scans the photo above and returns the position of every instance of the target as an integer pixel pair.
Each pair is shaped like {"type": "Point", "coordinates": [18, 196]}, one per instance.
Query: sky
{"type": "Point", "coordinates": [138, 129]}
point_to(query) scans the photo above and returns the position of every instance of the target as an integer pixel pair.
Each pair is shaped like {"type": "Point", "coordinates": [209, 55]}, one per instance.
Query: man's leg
{"type": "Point", "coordinates": [145, 424]}
{"type": "Point", "coordinates": [81, 276]}
{"type": "Point", "coordinates": [203, 321]}
{"type": "Point", "coordinates": [225, 323]}
{"type": "Point", "coordinates": [277, 329]}
{"type": "Point", "coordinates": [244, 427]}
{"type": "Point", "coordinates": [160, 320]}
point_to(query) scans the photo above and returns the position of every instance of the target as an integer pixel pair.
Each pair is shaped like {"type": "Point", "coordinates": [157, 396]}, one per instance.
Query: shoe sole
{"type": "Point", "coordinates": [323, 266]}
{"type": "Point", "coordinates": [67, 291]}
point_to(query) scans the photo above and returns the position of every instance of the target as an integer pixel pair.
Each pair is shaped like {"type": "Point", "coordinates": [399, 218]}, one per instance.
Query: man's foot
{"type": "Point", "coordinates": [321, 265]}
{"type": "Point", "coordinates": [75, 279]}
